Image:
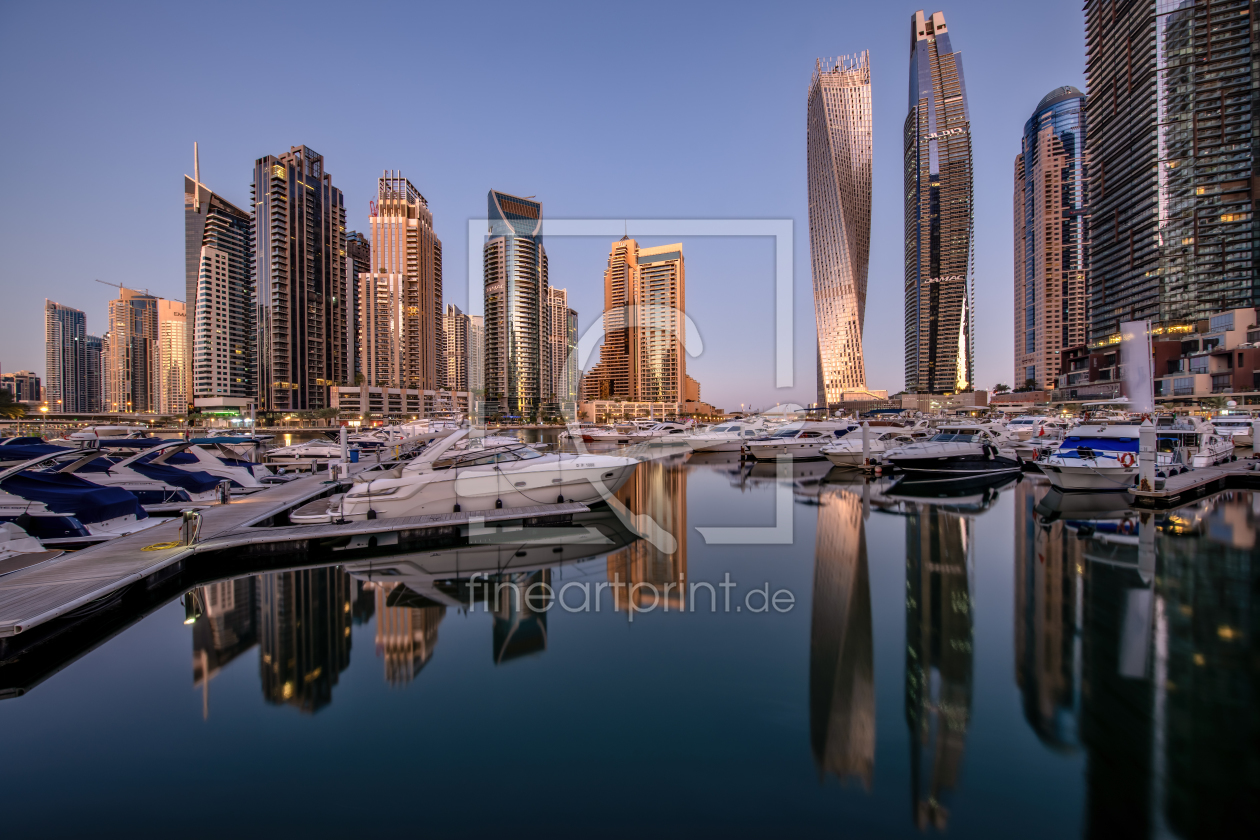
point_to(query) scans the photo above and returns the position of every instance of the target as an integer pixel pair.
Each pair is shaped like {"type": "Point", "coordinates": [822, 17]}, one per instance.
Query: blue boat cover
{"type": "Point", "coordinates": [66, 493]}
{"type": "Point", "coordinates": [1098, 444]}
{"type": "Point", "coordinates": [100, 465]}
{"type": "Point", "coordinates": [26, 451]}
{"type": "Point", "coordinates": [193, 482]}
{"type": "Point", "coordinates": [20, 441]}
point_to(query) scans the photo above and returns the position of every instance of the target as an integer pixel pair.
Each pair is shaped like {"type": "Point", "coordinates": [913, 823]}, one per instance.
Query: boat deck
{"type": "Point", "coordinates": [1182, 489]}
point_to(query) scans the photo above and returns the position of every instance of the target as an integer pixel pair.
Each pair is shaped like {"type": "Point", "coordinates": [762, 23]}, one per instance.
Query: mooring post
{"type": "Point", "coordinates": [866, 443]}
{"type": "Point", "coordinates": [1146, 455]}
{"type": "Point", "coordinates": [1255, 436]}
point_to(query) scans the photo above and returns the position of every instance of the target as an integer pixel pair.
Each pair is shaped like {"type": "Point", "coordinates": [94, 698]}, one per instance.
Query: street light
{"type": "Point", "coordinates": [43, 410]}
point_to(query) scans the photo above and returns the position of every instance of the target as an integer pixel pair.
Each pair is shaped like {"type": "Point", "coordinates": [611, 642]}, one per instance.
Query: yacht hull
{"type": "Point", "coordinates": [956, 467]}
{"type": "Point", "coordinates": [1091, 478]}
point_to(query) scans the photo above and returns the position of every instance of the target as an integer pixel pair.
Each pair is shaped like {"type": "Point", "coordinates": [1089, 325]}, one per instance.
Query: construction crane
{"type": "Point", "coordinates": [117, 285]}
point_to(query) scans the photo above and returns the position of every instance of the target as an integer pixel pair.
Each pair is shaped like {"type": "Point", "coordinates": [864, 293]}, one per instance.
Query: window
{"type": "Point", "coordinates": [1199, 364]}
{"type": "Point", "coordinates": [1220, 323]}
{"type": "Point", "coordinates": [1183, 386]}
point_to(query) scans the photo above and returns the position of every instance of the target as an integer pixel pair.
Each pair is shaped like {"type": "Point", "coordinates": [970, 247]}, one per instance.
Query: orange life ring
{"type": "Point", "coordinates": [1127, 459]}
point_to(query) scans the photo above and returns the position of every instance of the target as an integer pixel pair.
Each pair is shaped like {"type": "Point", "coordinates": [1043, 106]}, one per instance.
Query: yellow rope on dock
{"type": "Point", "coordinates": [161, 546]}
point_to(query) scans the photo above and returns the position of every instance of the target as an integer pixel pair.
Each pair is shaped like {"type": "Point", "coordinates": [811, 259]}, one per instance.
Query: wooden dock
{"type": "Point", "coordinates": [1188, 487]}
{"type": "Point", "coordinates": [80, 580]}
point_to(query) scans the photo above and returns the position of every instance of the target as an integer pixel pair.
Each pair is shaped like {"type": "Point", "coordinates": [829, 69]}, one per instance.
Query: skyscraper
{"type": "Point", "coordinates": [1051, 241]}
{"type": "Point", "coordinates": [358, 261]}
{"type": "Point", "coordinates": [172, 357]}
{"type": "Point", "coordinates": [222, 309]}
{"type": "Point", "coordinates": [514, 265]}
{"type": "Point", "coordinates": [456, 327]}
{"type": "Point", "coordinates": [401, 295]}
{"type": "Point", "coordinates": [940, 265]}
{"type": "Point", "coordinates": [476, 353]}
{"type": "Point", "coordinates": [838, 146]}
{"type": "Point", "coordinates": [130, 366]}
{"type": "Point", "coordinates": [644, 356]}
{"type": "Point", "coordinates": [561, 342]}
{"type": "Point", "coordinates": [1172, 142]}
{"type": "Point", "coordinates": [299, 241]}
{"type": "Point", "coordinates": [95, 378]}
{"type": "Point", "coordinates": [65, 358]}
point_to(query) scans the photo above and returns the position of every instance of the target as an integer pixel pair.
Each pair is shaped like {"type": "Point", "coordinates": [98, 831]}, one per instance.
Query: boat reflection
{"type": "Point", "coordinates": [841, 655]}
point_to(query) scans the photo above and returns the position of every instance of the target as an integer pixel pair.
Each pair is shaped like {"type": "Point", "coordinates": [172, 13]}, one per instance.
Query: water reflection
{"type": "Point", "coordinates": [405, 635]}
{"type": "Point", "coordinates": [653, 577]}
{"type": "Point", "coordinates": [841, 656]}
{"type": "Point", "coordinates": [939, 546]}
{"type": "Point", "coordinates": [304, 635]}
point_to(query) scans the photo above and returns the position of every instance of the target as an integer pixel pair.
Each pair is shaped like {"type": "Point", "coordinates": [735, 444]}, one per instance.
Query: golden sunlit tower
{"type": "Point", "coordinates": [939, 259]}
{"type": "Point", "coordinates": [131, 364]}
{"type": "Point", "coordinates": [839, 156]}
{"type": "Point", "coordinates": [658, 489]}
{"type": "Point", "coordinates": [400, 297]}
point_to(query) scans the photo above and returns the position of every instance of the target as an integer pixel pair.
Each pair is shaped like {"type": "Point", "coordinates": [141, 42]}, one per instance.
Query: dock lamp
{"type": "Point", "coordinates": [192, 608]}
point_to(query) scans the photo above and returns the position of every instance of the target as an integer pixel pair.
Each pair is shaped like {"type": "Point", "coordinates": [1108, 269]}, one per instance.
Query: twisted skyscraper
{"type": "Point", "coordinates": [939, 284]}
{"type": "Point", "coordinates": [839, 152]}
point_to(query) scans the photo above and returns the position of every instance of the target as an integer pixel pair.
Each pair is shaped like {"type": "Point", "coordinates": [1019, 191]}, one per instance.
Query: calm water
{"type": "Point", "coordinates": [974, 666]}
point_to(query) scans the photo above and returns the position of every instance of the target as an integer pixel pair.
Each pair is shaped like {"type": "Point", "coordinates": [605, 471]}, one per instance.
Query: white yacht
{"type": "Point", "coordinates": [618, 433]}
{"type": "Point", "coordinates": [1032, 426]}
{"type": "Point", "coordinates": [475, 480]}
{"type": "Point", "coordinates": [92, 435]}
{"type": "Point", "coordinates": [213, 456]}
{"type": "Point", "coordinates": [1097, 456]}
{"type": "Point", "coordinates": [1236, 426]}
{"type": "Point", "coordinates": [663, 433]}
{"type": "Point", "coordinates": [802, 439]}
{"type": "Point", "coordinates": [19, 550]}
{"type": "Point", "coordinates": [726, 437]}
{"type": "Point", "coordinates": [955, 452]}
{"type": "Point", "coordinates": [1194, 440]}
{"type": "Point", "coordinates": [158, 487]}
{"type": "Point", "coordinates": [847, 452]}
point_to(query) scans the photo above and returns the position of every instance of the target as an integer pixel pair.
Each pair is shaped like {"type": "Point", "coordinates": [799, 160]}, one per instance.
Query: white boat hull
{"type": "Point", "coordinates": [798, 449]}
{"type": "Point", "coordinates": [1085, 477]}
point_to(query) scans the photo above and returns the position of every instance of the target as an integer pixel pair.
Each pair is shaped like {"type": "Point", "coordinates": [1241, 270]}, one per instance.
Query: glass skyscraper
{"type": "Point", "coordinates": [838, 147]}
{"type": "Point", "coordinates": [514, 265]}
{"type": "Point", "coordinates": [1051, 206]}
{"type": "Point", "coordinates": [1173, 150]}
{"type": "Point", "coordinates": [939, 231]}
{"type": "Point", "coordinates": [65, 358]}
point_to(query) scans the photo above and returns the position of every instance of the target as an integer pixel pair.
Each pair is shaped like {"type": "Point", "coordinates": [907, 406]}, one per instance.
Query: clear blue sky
{"type": "Point", "coordinates": [670, 110]}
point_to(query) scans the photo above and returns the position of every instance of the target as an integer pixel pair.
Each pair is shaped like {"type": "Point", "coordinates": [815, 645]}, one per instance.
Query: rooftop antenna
{"type": "Point", "coordinates": [196, 178]}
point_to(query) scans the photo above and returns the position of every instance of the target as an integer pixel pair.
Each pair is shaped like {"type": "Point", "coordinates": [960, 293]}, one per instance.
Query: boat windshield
{"type": "Point", "coordinates": [955, 437]}
{"type": "Point", "coordinates": [497, 455]}
{"type": "Point", "coordinates": [726, 429]}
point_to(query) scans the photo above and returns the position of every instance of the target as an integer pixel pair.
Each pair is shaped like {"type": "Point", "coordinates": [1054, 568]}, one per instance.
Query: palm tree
{"type": "Point", "coordinates": [9, 407]}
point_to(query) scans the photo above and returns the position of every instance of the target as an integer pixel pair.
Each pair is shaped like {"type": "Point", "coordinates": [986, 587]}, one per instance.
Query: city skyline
{"type": "Point", "coordinates": [672, 193]}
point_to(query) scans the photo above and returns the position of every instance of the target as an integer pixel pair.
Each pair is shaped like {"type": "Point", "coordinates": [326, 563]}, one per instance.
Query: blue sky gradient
{"type": "Point", "coordinates": [646, 110]}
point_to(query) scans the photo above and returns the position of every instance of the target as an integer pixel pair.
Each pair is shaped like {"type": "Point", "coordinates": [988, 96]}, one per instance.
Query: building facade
{"type": "Point", "coordinates": [221, 325]}
{"type": "Point", "coordinates": [172, 357]}
{"type": "Point", "coordinates": [1051, 213]}
{"type": "Point", "coordinates": [939, 233]}
{"type": "Point", "coordinates": [477, 354]}
{"type": "Point", "coordinates": [401, 295]}
{"type": "Point", "coordinates": [1173, 152]}
{"type": "Point", "coordinates": [24, 385]}
{"type": "Point", "coordinates": [358, 262]}
{"type": "Point", "coordinates": [514, 264]}
{"type": "Point", "coordinates": [456, 329]}
{"type": "Point", "coordinates": [65, 357]}
{"type": "Point", "coordinates": [130, 361]}
{"type": "Point", "coordinates": [95, 374]}
{"type": "Point", "coordinates": [838, 149]}
{"type": "Point", "coordinates": [561, 344]}
{"type": "Point", "coordinates": [644, 356]}
{"type": "Point", "coordinates": [299, 270]}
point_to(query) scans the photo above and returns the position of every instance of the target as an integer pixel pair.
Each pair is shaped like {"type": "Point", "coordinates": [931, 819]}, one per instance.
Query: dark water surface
{"type": "Point", "coordinates": [973, 665]}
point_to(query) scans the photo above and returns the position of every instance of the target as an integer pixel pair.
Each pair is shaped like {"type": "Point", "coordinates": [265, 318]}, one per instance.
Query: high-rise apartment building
{"type": "Point", "coordinates": [65, 358]}
{"type": "Point", "coordinates": [95, 378]}
{"type": "Point", "coordinates": [514, 265]}
{"type": "Point", "coordinates": [300, 280]}
{"type": "Point", "coordinates": [221, 328]}
{"type": "Point", "coordinates": [939, 258]}
{"type": "Point", "coordinates": [476, 354]}
{"type": "Point", "coordinates": [172, 357]}
{"type": "Point", "coordinates": [643, 358]}
{"type": "Point", "coordinates": [838, 142]}
{"type": "Point", "coordinates": [358, 261]}
{"type": "Point", "coordinates": [456, 327]}
{"type": "Point", "coordinates": [130, 363]}
{"type": "Point", "coordinates": [23, 385]}
{"type": "Point", "coordinates": [1051, 207]}
{"type": "Point", "coordinates": [401, 295]}
{"type": "Point", "coordinates": [561, 342]}
{"type": "Point", "coordinates": [1173, 157]}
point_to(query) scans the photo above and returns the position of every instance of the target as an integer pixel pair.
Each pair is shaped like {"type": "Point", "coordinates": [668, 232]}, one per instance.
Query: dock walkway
{"type": "Point", "coordinates": [1185, 488]}
{"type": "Point", "coordinates": [39, 594]}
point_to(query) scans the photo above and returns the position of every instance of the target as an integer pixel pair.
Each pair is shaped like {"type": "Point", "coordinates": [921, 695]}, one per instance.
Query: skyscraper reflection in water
{"type": "Point", "coordinates": [841, 659]}
{"type": "Point", "coordinates": [1049, 591]}
{"type": "Point", "coordinates": [520, 623]}
{"type": "Point", "coordinates": [406, 635]}
{"type": "Point", "coordinates": [304, 630]}
{"type": "Point", "coordinates": [226, 629]}
{"type": "Point", "coordinates": [938, 654]}
{"type": "Point", "coordinates": [653, 577]}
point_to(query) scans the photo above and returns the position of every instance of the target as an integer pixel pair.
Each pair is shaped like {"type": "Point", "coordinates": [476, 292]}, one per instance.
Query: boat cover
{"type": "Point", "coordinates": [19, 452]}
{"type": "Point", "coordinates": [66, 493]}
{"type": "Point", "coordinates": [193, 482]}
{"type": "Point", "coordinates": [20, 441]}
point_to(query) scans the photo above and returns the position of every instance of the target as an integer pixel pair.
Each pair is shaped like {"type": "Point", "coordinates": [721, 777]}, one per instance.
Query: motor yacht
{"type": "Point", "coordinates": [847, 452]}
{"type": "Point", "coordinates": [1098, 456]}
{"type": "Point", "coordinates": [726, 437]}
{"type": "Point", "coordinates": [1032, 426]}
{"type": "Point", "coordinates": [662, 434]}
{"type": "Point", "coordinates": [19, 450]}
{"type": "Point", "coordinates": [1195, 440]}
{"type": "Point", "coordinates": [159, 487]}
{"type": "Point", "coordinates": [803, 439]}
{"type": "Point", "coordinates": [92, 435]}
{"type": "Point", "coordinates": [442, 481]}
{"type": "Point", "coordinates": [618, 433]}
{"type": "Point", "coordinates": [955, 452]}
{"type": "Point", "coordinates": [1236, 426]}
{"type": "Point", "coordinates": [213, 456]}
{"type": "Point", "coordinates": [19, 550]}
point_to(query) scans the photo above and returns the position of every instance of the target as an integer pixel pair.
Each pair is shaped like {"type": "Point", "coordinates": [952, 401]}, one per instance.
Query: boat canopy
{"type": "Point", "coordinates": [66, 493]}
